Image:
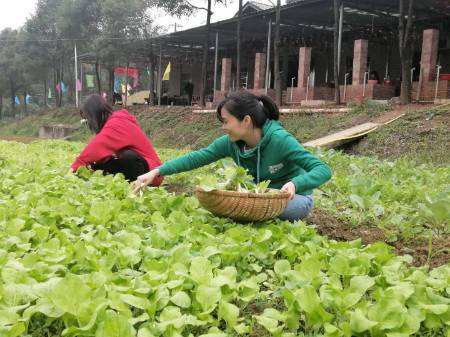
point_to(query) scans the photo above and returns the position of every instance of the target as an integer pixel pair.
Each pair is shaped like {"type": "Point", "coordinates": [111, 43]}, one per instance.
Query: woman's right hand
{"type": "Point", "coordinates": [145, 180]}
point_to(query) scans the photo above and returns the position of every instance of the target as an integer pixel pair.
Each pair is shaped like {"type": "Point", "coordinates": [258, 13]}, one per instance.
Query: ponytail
{"type": "Point", "coordinates": [270, 108]}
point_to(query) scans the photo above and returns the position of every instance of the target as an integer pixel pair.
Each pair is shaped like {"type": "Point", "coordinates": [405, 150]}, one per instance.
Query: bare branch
{"type": "Point", "coordinates": [196, 7]}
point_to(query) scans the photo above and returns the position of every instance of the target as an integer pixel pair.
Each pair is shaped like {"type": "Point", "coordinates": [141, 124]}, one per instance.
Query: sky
{"type": "Point", "coordinates": [14, 14]}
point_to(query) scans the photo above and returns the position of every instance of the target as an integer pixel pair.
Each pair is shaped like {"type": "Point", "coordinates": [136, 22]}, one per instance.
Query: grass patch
{"type": "Point", "coordinates": [422, 136]}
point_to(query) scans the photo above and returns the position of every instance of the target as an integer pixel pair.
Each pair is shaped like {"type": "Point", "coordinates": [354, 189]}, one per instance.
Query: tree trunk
{"type": "Point", "coordinates": [205, 56]}
{"type": "Point", "coordinates": [13, 99]}
{"type": "Point", "coordinates": [404, 37]}
{"type": "Point", "coordinates": [45, 92]}
{"type": "Point", "coordinates": [126, 82]}
{"type": "Point", "coordinates": [111, 85]}
{"type": "Point", "coordinates": [57, 66]}
{"type": "Point", "coordinates": [97, 75]}
{"type": "Point", "coordinates": [238, 47]}
{"type": "Point", "coordinates": [58, 83]}
{"type": "Point", "coordinates": [276, 58]}
{"type": "Point", "coordinates": [1, 106]}
{"type": "Point", "coordinates": [62, 80]}
{"type": "Point", "coordinates": [151, 80]}
{"type": "Point", "coordinates": [25, 112]}
{"type": "Point", "coordinates": [337, 92]}
{"type": "Point", "coordinates": [405, 92]}
{"type": "Point", "coordinates": [55, 82]}
{"type": "Point", "coordinates": [284, 78]}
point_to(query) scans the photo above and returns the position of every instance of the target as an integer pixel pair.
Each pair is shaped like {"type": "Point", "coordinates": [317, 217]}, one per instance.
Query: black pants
{"type": "Point", "coordinates": [129, 163]}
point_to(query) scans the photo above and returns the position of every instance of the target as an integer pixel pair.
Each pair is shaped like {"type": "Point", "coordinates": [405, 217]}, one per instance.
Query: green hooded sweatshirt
{"type": "Point", "coordinates": [278, 157]}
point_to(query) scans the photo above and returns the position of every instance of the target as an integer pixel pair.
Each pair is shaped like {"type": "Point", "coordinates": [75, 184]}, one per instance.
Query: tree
{"type": "Point", "coordinates": [404, 39]}
{"type": "Point", "coordinates": [123, 26]}
{"type": "Point", "coordinates": [10, 65]}
{"type": "Point", "coordinates": [238, 45]}
{"type": "Point", "coordinates": [3, 90]}
{"type": "Point", "coordinates": [43, 31]}
{"type": "Point", "coordinates": [149, 32]}
{"type": "Point", "coordinates": [205, 56]}
{"type": "Point", "coordinates": [337, 91]}
{"type": "Point", "coordinates": [276, 54]}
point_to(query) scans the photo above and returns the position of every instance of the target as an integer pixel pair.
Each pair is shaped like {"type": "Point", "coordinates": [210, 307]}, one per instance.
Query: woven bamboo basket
{"type": "Point", "coordinates": [242, 206]}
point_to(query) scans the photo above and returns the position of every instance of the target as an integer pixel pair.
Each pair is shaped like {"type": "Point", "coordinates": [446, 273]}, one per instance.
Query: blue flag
{"type": "Point", "coordinates": [116, 85]}
{"type": "Point", "coordinates": [17, 100]}
{"type": "Point", "coordinates": [27, 99]}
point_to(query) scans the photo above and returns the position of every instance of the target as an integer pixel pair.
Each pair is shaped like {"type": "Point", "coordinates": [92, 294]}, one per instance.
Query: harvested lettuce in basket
{"type": "Point", "coordinates": [232, 178]}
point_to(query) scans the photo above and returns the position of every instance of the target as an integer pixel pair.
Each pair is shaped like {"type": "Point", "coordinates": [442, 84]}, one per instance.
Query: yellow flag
{"type": "Point", "coordinates": [126, 89]}
{"type": "Point", "coordinates": [166, 76]}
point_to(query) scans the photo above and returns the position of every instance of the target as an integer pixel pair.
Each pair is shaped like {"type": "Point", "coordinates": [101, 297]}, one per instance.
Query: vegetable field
{"type": "Point", "coordinates": [83, 256]}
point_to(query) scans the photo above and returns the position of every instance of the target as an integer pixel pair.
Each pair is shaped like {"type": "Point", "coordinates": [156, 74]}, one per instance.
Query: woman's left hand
{"type": "Point", "coordinates": [290, 188]}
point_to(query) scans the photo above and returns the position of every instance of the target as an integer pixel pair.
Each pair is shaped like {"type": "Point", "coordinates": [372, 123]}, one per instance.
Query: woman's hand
{"type": "Point", "coordinates": [145, 180]}
{"type": "Point", "coordinates": [290, 188]}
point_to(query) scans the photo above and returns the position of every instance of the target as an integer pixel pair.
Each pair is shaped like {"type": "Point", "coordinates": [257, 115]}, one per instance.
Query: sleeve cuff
{"type": "Point", "coordinates": [299, 184]}
{"type": "Point", "coordinates": [164, 170]}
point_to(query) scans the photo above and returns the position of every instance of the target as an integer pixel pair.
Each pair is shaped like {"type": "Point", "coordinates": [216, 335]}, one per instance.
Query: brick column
{"type": "Point", "coordinates": [225, 80]}
{"type": "Point", "coordinates": [360, 61]}
{"type": "Point", "coordinates": [304, 66]}
{"type": "Point", "coordinates": [430, 44]}
{"type": "Point", "coordinates": [260, 71]}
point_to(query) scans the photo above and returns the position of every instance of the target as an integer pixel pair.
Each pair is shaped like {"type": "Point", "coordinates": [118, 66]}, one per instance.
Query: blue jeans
{"type": "Point", "coordinates": [298, 208]}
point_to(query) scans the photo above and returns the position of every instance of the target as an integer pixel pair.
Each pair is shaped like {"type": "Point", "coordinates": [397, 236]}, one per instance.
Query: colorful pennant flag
{"type": "Point", "coordinates": [90, 81]}
{"type": "Point", "coordinates": [166, 76]}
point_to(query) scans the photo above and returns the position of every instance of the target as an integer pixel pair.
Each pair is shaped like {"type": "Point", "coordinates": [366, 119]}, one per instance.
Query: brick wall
{"type": "Point", "coordinates": [430, 45]}
{"type": "Point", "coordinates": [304, 66]}
{"type": "Point", "coordinates": [356, 93]}
{"type": "Point", "coordinates": [225, 80]}
{"type": "Point", "coordinates": [428, 90]}
{"type": "Point", "coordinates": [360, 61]}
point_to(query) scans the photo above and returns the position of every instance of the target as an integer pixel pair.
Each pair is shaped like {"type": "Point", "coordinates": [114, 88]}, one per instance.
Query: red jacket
{"type": "Point", "coordinates": [120, 131]}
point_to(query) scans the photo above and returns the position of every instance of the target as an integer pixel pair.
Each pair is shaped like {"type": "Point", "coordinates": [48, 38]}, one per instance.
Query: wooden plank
{"type": "Point", "coordinates": [343, 136]}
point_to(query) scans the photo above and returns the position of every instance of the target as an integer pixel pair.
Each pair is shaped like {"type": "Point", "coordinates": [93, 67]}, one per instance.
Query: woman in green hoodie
{"type": "Point", "coordinates": [257, 141]}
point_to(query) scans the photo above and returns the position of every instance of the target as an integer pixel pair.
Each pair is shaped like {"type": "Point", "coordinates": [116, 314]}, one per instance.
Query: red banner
{"type": "Point", "coordinates": [132, 72]}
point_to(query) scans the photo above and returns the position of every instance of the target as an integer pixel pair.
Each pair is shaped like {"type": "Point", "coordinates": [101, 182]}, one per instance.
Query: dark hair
{"type": "Point", "coordinates": [243, 103]}
{"type": "Point", "coordinates": [97, 111]}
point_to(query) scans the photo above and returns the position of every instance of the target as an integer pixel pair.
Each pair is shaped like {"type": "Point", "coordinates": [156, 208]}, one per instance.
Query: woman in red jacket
{"type": "Point", "coordinates": [119, 146]}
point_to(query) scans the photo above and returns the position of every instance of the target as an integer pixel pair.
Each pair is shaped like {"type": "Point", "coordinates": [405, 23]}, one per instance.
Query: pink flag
{"type": "Point", "coordinates": [78, 85]}
{"type": "Point", "coordinates": [58, 87]}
